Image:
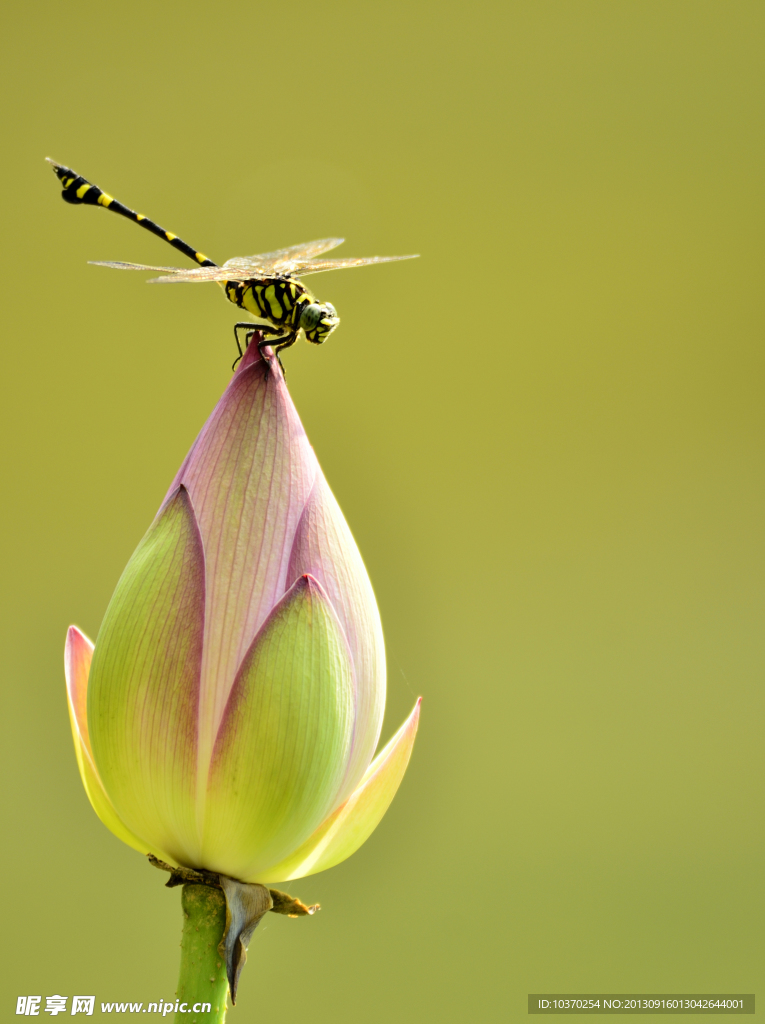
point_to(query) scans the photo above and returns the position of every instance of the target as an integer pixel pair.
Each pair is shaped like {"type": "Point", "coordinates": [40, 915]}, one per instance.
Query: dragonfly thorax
{"type": "Point", "coordinates": [279, 301]}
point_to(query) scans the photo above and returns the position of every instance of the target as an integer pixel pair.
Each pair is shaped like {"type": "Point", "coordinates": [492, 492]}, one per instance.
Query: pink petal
{"type": "Point", "coordinates": [324, 548]}
{"type": "Point", "coordinates": [249, 474]}
{"type": "Point", "coordinates": [78, 655]}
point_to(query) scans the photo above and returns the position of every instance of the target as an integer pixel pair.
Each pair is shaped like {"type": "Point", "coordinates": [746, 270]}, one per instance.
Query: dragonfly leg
{"type": "Point", "coordinates": [285, 341]}
{"type": "Point", "coordinates": [249, 329]}
{"type": "Point", "coordinates": [279, 348]}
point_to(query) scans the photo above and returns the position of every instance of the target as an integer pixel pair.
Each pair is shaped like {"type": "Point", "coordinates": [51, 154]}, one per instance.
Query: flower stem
{"type": "Point", "coordinates": [203, 970]}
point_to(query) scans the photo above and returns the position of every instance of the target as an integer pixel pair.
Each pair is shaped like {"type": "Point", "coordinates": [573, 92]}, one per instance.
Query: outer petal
{"type": "Point", "coordinates": [77, 657]}
{"type": "Point", "coordinates": [284, 741]}
{"type": "Point", "coordinates": [143, 691]}
{"type": "Point", "coordinates": [352, 824]}
{"type": "Point", "coordinates": [249, 474]}
{"type": "Point", "coordinates": [324, 548]}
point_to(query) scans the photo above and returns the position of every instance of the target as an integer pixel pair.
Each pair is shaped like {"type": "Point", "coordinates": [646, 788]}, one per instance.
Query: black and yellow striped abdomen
{"type": "Point", "coordinates": [77, 189]}
{"type": "Point", "coordinates": [281, 301]}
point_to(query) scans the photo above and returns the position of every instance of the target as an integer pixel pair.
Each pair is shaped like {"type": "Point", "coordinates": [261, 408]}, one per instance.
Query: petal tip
{"type": "Point", "coordinates": [414, 716]}
{"type": "Point", "coordinates": [75, 635]}
{"type": "Point", "coordinates": [264, 361]}
{"type": "Point", "coordinates": [309, 585]}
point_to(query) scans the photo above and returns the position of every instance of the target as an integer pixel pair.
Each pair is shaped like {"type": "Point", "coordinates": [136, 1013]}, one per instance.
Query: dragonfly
{"type": "Point", "coordinates": [266, 285]}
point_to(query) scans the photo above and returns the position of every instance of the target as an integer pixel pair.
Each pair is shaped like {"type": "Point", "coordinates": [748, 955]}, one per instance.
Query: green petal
{"type": "Point", "coordinates": [352, 824]}
{"type": "Point", "coordinates": [77, 659]}
{"type": "Point", "coordinates": [282, 751]}
{"type": "Point", "coordinates": [144, 683]}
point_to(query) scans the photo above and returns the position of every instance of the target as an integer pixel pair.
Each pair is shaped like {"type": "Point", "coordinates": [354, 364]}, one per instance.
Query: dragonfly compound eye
{"type": "Point", "coordinates": [311, 316]}
{"type": "Point", "coordinates": [318, 321]}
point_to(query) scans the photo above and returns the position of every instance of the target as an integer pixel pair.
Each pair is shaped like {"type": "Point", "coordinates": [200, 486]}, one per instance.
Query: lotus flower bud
{"type": "Point", "coordinates": [228, 715]}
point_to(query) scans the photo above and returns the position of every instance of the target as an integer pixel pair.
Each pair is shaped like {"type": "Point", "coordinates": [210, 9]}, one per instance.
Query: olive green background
{"type": "Point", "coordinates": [546, 434]}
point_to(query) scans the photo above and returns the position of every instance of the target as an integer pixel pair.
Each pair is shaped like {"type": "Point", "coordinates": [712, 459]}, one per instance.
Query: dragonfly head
{"type": "Point", "coordinates": [318, 320]}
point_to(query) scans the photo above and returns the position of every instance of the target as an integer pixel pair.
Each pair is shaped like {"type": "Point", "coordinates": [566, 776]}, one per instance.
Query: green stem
{"type": "Point", "coordinates": [202, 979]}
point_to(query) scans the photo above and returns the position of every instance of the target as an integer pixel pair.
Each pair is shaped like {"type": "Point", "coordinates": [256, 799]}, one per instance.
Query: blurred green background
{"type": "Point", "coordinates": [546, 434]}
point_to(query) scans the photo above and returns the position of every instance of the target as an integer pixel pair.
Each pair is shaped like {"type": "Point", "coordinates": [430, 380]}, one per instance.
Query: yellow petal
{"type": "Point", "coordinates": [352, 824]}
{"type": "Point", "coordinates": [77, 657]}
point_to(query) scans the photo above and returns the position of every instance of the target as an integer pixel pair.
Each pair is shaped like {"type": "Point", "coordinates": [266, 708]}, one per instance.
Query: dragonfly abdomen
{"type": "Point", "coordinates": [77, 190]}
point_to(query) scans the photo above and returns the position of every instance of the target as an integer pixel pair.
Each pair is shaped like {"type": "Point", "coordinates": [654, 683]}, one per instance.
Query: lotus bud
{"type": "Point", "coordinates": [227, 718]}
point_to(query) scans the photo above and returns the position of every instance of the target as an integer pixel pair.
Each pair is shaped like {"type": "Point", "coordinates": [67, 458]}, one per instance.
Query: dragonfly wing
{"type": "Point", "coordinates": [244, 268]}
{"type": "Point", "coordinates": [295, 260]}
{"type": "Point", "coordinates": [302, 268]}
{"type": "Point", "coordinates": [279, 261]}
{"type": "Point", "coordinates": [305, 251]}
{"type": "Point", "coordinates": [135, 266]}
{"type": "Point", "coordinates": [204, 274]}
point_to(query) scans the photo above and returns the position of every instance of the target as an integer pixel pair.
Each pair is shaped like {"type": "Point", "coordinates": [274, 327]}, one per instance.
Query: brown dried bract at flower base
{"type": "Point", "coordinates": [246, 905]}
